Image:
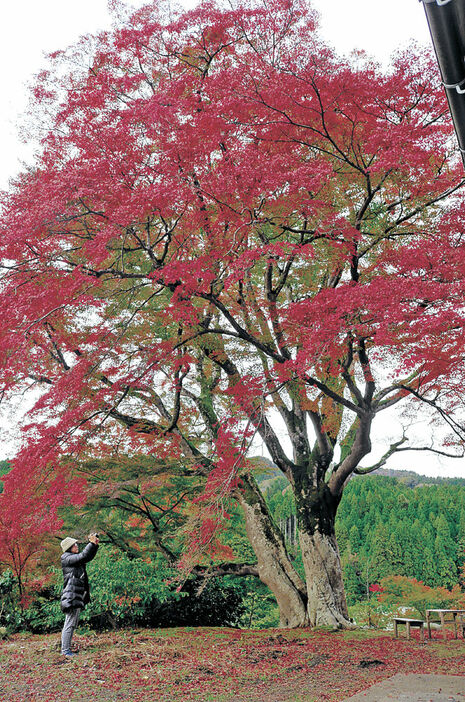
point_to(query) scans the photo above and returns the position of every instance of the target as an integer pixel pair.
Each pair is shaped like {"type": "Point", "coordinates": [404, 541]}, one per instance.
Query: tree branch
{"type": "Point", "coordinates": [392, 449]}
{"type": "Point", "coordinates": [239, 569]}
{"type": "Point", "coordinates": [457, 428]}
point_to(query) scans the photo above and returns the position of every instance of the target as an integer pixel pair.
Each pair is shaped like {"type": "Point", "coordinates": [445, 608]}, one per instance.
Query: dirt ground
{"type": "Point", "coordinates": [415, 688]}
{"type": "Point", "coordinates": [228, 665]}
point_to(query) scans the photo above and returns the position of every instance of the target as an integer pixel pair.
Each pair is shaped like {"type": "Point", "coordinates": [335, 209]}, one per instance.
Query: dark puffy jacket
{"type": "Point", "coordinates": [76, 585]}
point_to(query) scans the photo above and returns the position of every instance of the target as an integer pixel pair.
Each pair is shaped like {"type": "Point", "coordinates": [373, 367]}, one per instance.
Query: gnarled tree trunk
{"type": "Point", "coordinates": [321, 600]}
{"type": "Point", "coordinates": [326, 598]}
{"type": "Point", "coordinates": [316, 513]}
{"type": "Point", "coordinates": [273, 563]}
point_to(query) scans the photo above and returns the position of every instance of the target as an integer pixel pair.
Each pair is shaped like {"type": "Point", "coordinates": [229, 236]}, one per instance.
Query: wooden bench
{"type": "Point", "coordinates": [410, 623]}
{"type": "Point", "coordinates": [442, 616]}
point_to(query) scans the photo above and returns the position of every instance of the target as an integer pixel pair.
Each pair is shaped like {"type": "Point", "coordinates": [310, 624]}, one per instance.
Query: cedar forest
{"type": "Point", "coordinates": [230, 235]}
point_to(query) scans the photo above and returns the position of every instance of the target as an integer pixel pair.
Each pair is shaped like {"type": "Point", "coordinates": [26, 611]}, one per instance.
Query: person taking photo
{"type": "Point", "coordinates": [76, 591]}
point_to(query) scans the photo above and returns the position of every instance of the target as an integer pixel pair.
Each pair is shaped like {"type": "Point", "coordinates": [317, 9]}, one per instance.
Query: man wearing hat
{"type": "Point", "coordinates": [75, 593]}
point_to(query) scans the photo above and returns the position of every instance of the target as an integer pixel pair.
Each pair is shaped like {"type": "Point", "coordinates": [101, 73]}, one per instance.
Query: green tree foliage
{"type": "Point", "coordinates": [407, 531]}
{"type": "Point", "coordinates": [4, 468]}
{"type": "Point", "coordinates": [144, 506]}
{"type": "Point", "coordinates": [137, 502]}
{"type": "Point", "coordinates": [395, 527]}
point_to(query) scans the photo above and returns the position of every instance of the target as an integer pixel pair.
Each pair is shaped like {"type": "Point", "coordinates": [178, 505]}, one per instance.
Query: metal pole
{"type": "Point", "coordinates": [446, 22]}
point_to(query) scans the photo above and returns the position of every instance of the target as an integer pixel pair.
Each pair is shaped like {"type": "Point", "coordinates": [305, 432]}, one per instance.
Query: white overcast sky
{"type": "Point", "coordinates": [31, 28]}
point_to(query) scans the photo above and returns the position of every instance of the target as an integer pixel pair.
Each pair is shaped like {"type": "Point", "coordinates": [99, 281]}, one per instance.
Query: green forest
{"type": "Point", "coordinates": [408, 525]}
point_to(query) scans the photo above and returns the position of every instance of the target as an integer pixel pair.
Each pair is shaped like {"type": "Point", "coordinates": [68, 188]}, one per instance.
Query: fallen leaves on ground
{"type": "Point", "coordinates": [217, 665]}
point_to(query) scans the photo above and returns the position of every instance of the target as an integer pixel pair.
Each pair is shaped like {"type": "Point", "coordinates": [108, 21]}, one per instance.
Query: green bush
{"type": "Point", "coordinates": [261, 610]}
{"type": "Point", "coordinates": [9, 603]}
{"type": "Point", "coordinates": [132, 592]}
{"type": "Point", "coordinates": [398, 591]}
{"type": "Point", "coordinates": [124, 590]}
{"type": "Point", "coordinates": [371, 613]}
{"type": "Point", "coordinates": [135, 592]}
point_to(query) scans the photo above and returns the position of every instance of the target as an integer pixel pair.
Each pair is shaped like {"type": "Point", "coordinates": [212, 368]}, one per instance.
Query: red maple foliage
{"type": "Point", "coordinates": [228, 224]}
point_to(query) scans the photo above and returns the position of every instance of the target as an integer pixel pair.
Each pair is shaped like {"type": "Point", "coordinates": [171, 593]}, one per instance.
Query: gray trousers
{"type": "Point", "coordinates": [71, 622]}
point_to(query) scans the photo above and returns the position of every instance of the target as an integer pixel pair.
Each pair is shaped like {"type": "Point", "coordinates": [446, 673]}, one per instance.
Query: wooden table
{"type": "Point", "coordinates": [442, 617]}
{"type": "Point", "coordinates": [409, 623]}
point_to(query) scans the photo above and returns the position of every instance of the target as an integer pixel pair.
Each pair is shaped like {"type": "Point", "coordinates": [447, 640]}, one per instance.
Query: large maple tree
{"type": "Point", "coordinates": [232, 232]}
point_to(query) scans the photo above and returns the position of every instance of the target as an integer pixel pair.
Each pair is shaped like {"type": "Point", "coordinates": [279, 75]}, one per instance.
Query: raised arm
{"type": "Point", "coordinates": [86, 555]}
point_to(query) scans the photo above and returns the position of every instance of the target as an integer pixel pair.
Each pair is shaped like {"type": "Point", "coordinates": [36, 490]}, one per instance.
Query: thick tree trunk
{"type": "Point", "coordinates": [321, 601]}
{"type": "Point", "coordinates": [326, 597]}
{"type": "Point", "coordinates": [274, 566]}
{"type": "Point", "coordinates": [316, 511]}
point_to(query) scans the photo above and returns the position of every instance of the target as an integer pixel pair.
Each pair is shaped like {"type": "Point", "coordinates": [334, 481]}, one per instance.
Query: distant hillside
{"type": "Point", "coordinates": [412, 479]}
{"type": "Point", "coordinates": [265, 471]}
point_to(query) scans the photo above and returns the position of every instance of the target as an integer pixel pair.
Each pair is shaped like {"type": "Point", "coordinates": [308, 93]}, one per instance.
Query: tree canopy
{"type": "Point", "coordinates": [230, 231]}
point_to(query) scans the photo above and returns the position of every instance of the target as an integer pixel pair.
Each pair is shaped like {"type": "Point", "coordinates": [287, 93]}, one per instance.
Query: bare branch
{"type": "Point", "coordinates": [220, 570]}
{"type": "Point", "coordinates": [433, 450]}
{"type": "Point", "coordinates": [457, 428]}
{"type": "Point", "coordinates": [392, 449]}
